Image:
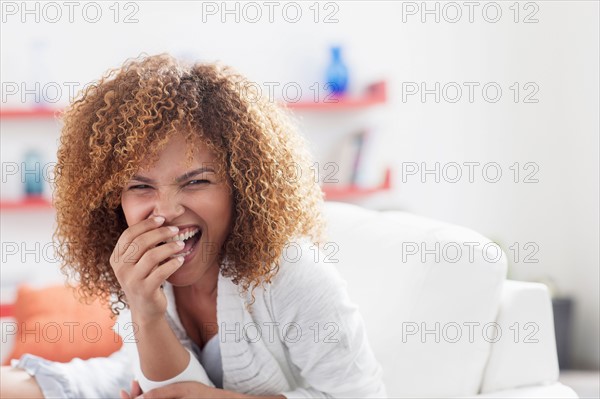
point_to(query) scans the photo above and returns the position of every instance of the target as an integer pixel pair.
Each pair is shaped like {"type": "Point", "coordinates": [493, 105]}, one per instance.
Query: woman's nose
{"type": "Point", "coordinates": [168, 206]}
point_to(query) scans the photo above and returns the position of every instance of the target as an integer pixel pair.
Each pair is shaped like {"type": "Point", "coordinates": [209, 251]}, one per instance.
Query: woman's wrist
{"type": "Point", "coordinates": [141, 320]}
{"type": "Point", "coordinates": [171, 358]}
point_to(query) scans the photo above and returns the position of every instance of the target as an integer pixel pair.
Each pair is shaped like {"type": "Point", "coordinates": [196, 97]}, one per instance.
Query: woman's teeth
{"type": "Point", "coordinates": [186, 253]}
{"type": "Point", "coordinates": [184, 236]}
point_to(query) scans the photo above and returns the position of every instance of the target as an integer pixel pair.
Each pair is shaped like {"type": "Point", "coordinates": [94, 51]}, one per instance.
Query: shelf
{"type": "Point", "coordinates": [375, 94]}
{"type": "Point", "coordinates": [29, 113]}
{"type": "Point", "coordinates": [335, 193]}
{"type": "Point", "coordinates": [27, 204]}
{"type": "Point", "coordinates": [6, 310]}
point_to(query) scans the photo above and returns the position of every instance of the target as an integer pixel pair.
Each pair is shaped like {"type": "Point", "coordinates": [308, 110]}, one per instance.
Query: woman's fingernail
{"type": "Point", "coordinates": [174, 229]}
{"type": "Point", "coordinates": [159, 219]}
{"type": "Point", "coordinates": [180, 244]}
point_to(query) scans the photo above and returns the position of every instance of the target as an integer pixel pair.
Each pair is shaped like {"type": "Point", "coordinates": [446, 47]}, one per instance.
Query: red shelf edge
{"type": "Point", "coordinates": [7, 310]}
{"type": "Point", "coordinates": [375, 94]}
{"type": "Point", "coordinates": [26, 204]}
{"type": "Point", "coordinates": [354, 191]}
{"type": "Point", "coordinates": [28, 113]}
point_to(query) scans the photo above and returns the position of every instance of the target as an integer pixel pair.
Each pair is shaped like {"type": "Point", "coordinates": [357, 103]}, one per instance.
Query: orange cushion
{"type": "Point", "coordinates": [52, 323]}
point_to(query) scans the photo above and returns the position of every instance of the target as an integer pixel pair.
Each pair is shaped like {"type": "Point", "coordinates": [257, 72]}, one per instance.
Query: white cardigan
{"type": "Point", "coordinates": [302, 337]}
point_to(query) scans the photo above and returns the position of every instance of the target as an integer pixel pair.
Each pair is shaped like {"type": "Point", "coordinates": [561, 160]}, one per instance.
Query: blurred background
{"type": "Point", "coordinates": [482, 114]}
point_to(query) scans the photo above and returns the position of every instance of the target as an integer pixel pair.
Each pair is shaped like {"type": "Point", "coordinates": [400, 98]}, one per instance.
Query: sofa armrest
{"type": "Point", "coordinates": [525, 353]}
{"type": "Point", "coordinates": [554, 390]}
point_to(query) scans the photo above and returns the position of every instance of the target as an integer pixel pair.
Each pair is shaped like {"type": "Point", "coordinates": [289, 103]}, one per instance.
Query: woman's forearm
{"type": "Point", "coordinates": [161, 354]}
{"type": "Point", "coordinates": [17, 383]}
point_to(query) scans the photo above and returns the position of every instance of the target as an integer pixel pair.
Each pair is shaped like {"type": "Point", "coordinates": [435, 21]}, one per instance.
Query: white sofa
{"type": "Point", "coordinates": [400, 295]}
{"type": "Point", "coordinates": [444, 322]}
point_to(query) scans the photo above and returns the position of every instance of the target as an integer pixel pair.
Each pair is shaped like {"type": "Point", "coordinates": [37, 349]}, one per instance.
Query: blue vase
{"type": "Point", "coordinates": [337, 73]}
{"type": "Point", "coordinates": [32, 174]}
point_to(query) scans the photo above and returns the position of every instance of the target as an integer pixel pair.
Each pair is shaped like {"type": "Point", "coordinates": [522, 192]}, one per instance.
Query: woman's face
{"type": "Point", "coordinates": [188, 196]}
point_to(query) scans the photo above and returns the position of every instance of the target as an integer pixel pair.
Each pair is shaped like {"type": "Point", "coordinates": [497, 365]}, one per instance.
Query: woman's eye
{"type": "Point", "coordinates": [139, 187]}
{"type": "Point", "coordinates": [197, 182]}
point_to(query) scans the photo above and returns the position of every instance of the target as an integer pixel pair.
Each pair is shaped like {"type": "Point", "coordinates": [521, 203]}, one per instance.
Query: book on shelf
{"type": "Point", "coordinates": [350, 159]}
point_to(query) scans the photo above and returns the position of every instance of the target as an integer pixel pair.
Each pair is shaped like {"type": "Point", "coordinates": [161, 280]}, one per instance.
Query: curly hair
{"type": "Point", "coordinates": [128, 115]}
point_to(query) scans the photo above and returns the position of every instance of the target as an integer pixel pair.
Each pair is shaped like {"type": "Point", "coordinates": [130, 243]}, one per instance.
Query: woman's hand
{"type": "Point", "coordinates": [188, 390]}
{"type": "Point", "coordinates": [136, 261]}
{"type": "Point", "coordinates": [141, 264]}
{"type": "Point", "coordinates": [135, 391]}
{"type": "Point", "coordinates": [179, 390]}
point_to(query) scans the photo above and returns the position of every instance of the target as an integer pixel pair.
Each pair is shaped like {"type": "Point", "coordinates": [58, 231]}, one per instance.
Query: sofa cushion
{"type": "Point", "coordinates": [50, 322]}
{"type": "Point", "coordinates": [429, 293]}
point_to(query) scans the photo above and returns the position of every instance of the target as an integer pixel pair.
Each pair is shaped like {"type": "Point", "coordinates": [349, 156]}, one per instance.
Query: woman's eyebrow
{"type": "Point", "coordinates": [142, 179]}
{"type": "Point", "coordinates": [193, 173]}
{"type": "Point", "coordinates": [180, 179]}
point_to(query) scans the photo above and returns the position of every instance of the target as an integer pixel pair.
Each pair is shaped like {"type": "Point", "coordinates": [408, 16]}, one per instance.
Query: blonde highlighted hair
{"type": "Point", "coordinates": [129, 115]}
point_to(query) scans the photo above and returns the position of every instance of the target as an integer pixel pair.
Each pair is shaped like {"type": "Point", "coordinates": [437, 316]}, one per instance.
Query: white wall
{"type": "Point", "coordinates": [559, 54]}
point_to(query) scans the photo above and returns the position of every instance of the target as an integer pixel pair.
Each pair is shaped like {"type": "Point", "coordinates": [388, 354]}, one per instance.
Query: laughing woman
{"type": "Point", "coordinates": [185, 201]}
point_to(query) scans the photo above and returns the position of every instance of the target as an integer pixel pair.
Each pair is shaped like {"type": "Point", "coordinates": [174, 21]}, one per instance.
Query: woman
{"type": "Point", "coordinates": [185, 200]}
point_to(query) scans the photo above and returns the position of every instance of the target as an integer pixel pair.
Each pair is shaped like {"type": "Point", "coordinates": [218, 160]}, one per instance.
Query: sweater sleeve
{"type": "Point", "coordinates": [323, 331]}
{"type": "Point", "coordinates": [100, 377]}
{"type": "Point", "coordinates": [194, 370]}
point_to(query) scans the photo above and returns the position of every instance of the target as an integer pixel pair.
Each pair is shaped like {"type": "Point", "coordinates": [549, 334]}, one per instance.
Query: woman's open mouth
{"type": "Point", "coordinates": [190, 236]}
